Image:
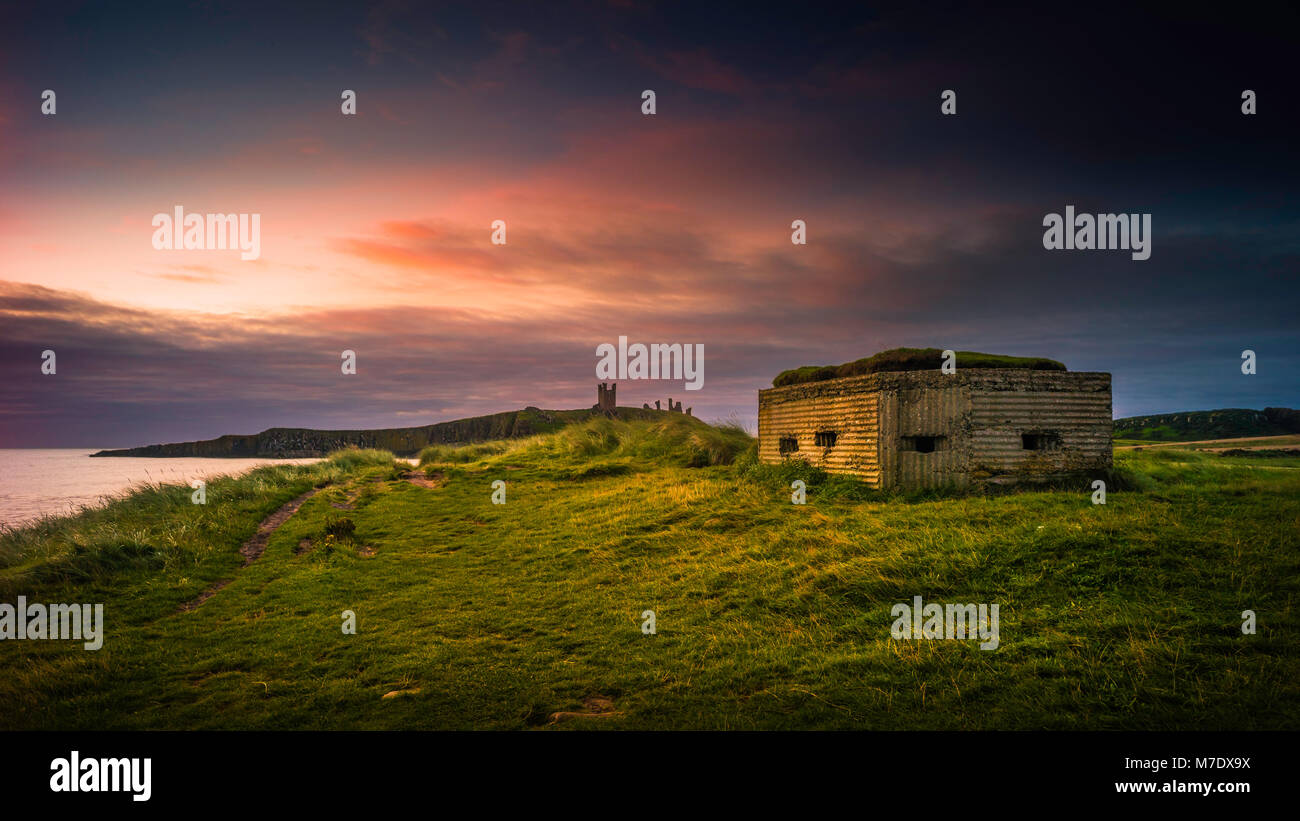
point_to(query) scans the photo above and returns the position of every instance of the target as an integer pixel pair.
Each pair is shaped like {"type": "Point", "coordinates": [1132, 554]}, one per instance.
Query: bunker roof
{"type": "Point", "coordinates": [910, 359]}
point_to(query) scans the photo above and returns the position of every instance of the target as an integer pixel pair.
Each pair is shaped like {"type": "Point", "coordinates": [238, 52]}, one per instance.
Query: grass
{"type": "Point", "coordinates": [910, 359]}
{"type": "Point", "coordinates": [769, 615]}
{"type": "Point", "coordinates": [1277, 441]}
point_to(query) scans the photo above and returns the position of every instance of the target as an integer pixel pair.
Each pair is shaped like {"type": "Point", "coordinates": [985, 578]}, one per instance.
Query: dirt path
{"type": "Point", "coordinates": [1268, 442]}
{"type": "Point", "coordinates": [253, 549]}
{"type": "Point", "coordinates": [418, 479]}
{"type": "Point", "coordinates": [592, 707]}
{"type": "Point", "coordinates": [349, 503]}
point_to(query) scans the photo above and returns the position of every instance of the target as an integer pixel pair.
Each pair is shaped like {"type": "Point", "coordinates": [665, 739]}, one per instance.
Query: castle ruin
{"type": "Point", "coordinates": [607, 404]}
{"type": "Point", "coordinates": [677, 408]}
{"type": "Point", "coordinates": [605, 398]}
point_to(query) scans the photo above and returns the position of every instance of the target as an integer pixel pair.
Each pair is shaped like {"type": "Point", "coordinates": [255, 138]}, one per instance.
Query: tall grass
{"type": "Point", "coordinates": [770, 615]}
{"type": "Point", "coordinates": [350, 459]}
{"type": "Point", "coordinates": [1156, 468]}
{"type": "Point", "coordinates": [599, 445]}
{"type": "Point", "coordinates": [460, 454]}
{"type": "Point", "coordinates": [680, 441]}
{"type": "Point", "coordinates": [157, 526]}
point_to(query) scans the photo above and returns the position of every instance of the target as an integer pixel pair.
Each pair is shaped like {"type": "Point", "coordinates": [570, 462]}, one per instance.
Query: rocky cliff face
{"type": "Point", "coordinates": [1288, 418]}
{"type": "Point", "coordinates": [292, 443]}
{"type": "Point", "coordinates": [1225, 423]}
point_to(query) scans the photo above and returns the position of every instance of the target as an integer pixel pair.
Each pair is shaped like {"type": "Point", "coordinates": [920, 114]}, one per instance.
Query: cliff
{"type": "Point", "coordinates": [291, 443]}
{"type": "Point", "coordinates": [1225, 423]}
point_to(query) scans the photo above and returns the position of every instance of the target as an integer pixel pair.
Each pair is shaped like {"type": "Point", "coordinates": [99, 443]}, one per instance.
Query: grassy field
{"type": "Point", "coordinates": [1194, 426]}
{"type": "Point", "coordinates": [1282, 442]}
{"type": "Point", "coordinates": [769, 615]}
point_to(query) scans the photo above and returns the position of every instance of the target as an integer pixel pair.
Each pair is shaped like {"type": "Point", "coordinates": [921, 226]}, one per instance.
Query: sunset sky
{"type": "Point", "coordinates": [923, 229]}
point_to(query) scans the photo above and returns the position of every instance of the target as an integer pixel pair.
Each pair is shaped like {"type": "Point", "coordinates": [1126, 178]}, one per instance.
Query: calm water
{"type": "Point", "coordinates": [37, 482]}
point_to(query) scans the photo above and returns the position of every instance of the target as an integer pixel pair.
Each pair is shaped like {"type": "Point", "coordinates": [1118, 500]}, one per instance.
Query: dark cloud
{"type": "Point", "coordinates": [924, 230]}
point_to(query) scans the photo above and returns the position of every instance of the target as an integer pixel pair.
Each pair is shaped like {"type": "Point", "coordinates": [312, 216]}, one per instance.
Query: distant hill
{"type": "Point", "coordinates": [1225, 423]}
{"type": "Point", "coordinates": [910, 359]}
{"type": "Point", "coordinates": [297, 443]}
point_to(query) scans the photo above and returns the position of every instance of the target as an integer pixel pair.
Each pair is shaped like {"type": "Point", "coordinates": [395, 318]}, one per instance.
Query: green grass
{"type": "Point", "coordinates": [769, 615]}
{"type": "Point", "coordinates": [460, 454]}
{"type": "Point", "coordinates": [910, 359]}
{"type": "Point", "coordinates": [1281, 441]}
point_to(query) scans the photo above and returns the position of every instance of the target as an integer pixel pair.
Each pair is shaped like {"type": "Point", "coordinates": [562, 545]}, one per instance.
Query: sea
{"type": "Point", "coordinates": [38, 482]}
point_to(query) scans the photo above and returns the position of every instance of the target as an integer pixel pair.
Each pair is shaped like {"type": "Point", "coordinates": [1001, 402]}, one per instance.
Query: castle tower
{"type": "Point", "coordinates": [605, 400]}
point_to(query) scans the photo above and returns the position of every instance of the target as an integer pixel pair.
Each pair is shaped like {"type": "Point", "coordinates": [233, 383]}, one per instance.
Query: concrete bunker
{"type": "Point", "coordinates": [925, 428]}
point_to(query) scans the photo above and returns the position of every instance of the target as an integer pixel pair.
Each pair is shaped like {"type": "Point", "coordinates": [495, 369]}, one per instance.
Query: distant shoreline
{"type": "Point", "coordinates": [306, 443]}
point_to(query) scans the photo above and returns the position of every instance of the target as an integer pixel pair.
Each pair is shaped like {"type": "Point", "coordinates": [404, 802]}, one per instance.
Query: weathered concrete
{"type": "Point", "coordinates": [916, 429]}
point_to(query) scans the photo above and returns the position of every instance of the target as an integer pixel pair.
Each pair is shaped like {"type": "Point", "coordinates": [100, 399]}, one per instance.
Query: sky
{"type": "Point", "coordinates": [923, 229]}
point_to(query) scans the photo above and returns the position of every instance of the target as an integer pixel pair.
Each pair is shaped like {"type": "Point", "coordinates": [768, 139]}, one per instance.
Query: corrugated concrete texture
{"type": "Point", "coordinates": [920, 429]}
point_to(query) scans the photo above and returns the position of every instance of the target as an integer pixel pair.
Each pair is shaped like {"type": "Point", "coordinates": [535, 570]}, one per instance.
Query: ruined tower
{"type": "Point", "coordinates": [605, 398]}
